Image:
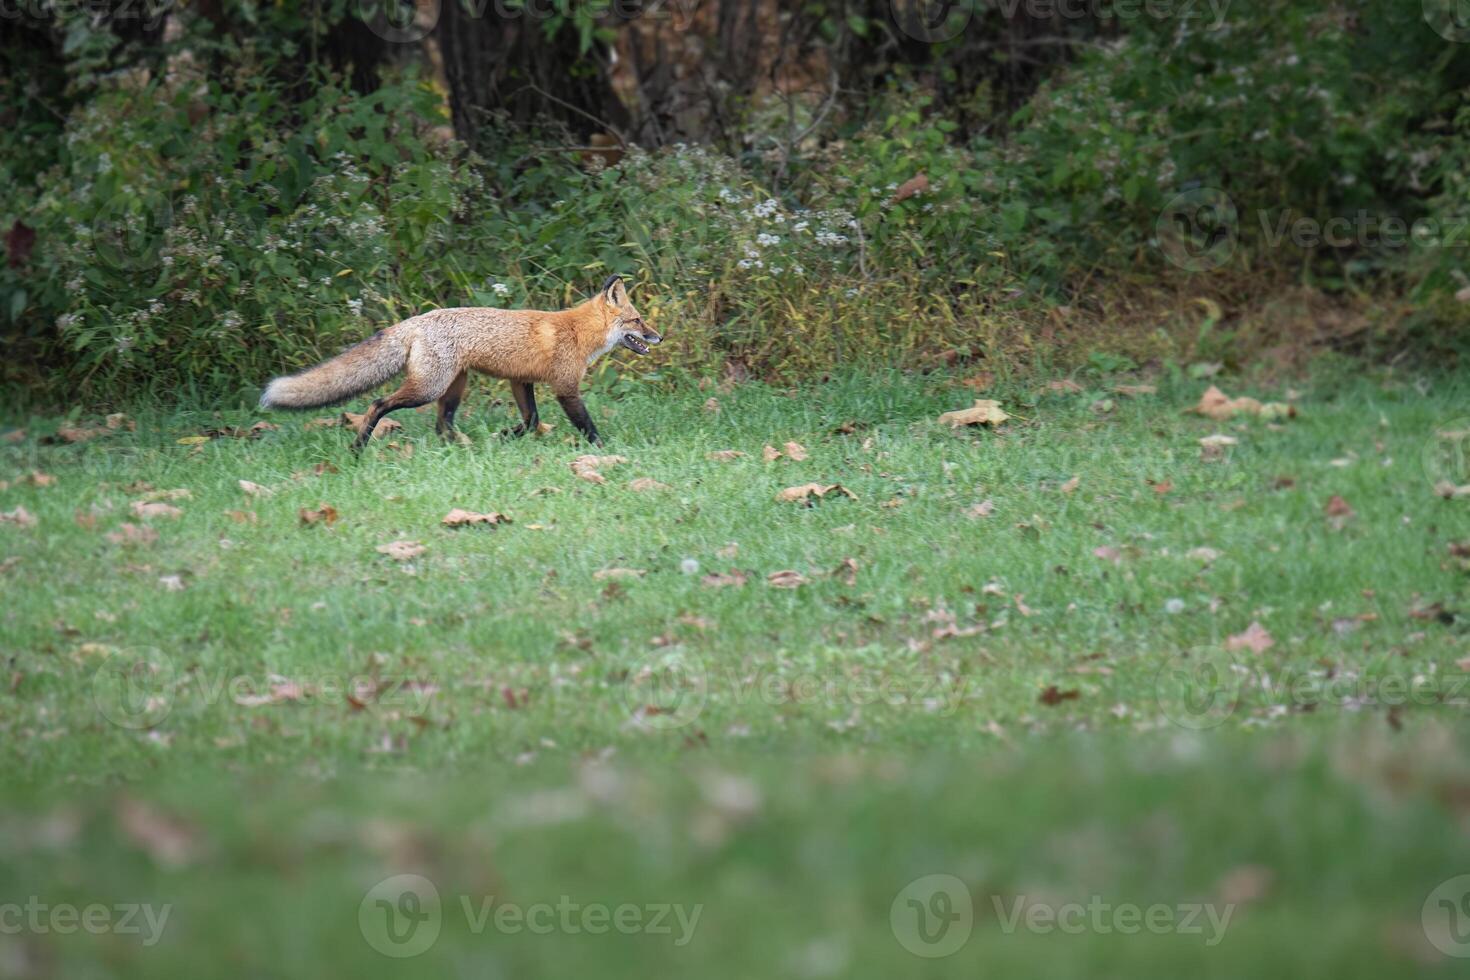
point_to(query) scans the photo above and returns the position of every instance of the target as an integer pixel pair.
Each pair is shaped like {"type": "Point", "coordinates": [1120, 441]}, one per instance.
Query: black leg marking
{"type": "Point", "coordinates": [525, 396]}
{"type": "Point", "coordinates": [577, 412]}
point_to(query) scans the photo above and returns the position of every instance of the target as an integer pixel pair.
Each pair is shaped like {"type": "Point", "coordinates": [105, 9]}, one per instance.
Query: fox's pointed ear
{"type": "Point", "coordinates": [614, 291]}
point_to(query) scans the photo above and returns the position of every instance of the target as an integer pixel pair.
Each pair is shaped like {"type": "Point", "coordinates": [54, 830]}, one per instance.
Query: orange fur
{"type": "Point", "coordinates": [435, 349]}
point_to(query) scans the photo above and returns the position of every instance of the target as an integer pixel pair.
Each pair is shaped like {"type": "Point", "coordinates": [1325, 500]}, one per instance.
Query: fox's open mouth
{"type": "Point", "coordinates": [634, 343]}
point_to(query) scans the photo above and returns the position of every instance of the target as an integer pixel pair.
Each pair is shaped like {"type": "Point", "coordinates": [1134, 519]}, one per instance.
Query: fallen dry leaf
{"type": "Point", "coordinates": [132, 534]}
{"type": "Point", "coordinates": [68, 433]}
{"type": "Point", "coordinates": [402, 550]}
{"type": "Point", "coordinates": [809, 492]}
{"type": "Point", "coordinates": [1254, 638]}
{"type": "Point", "coordinates": [983, 509]}
{"type": "Point", "coordinates": [712, 405]}
{"type": "Point", "coordinates": [985, 411]}
{"type": "Point", "coordinates": [1215, 404]}
{"type": "Point", "coordinates": [724, 455]}
{"type": "Point", "coordinates": [243, 516]}
{"type": "Point", "coordinates": [644, 484]}
{"type": "Point", "coordinates": [354, 422]}
{"type": "Point", "coordinates": [1071, 485]}
{"type": "Point", "coordinates": [1064, 385]}
{"type": "Point", "coordinates": [786, 579]}
{"type": "Point", "coordinates": [847, 571]}
{"type": "Point", "coordinates": [1212, 448]}
{"type": "Point", "coordinates": [917, 184]}
{"type": "Point", "coordinates": [324, 514]}
{"type": "Point", "coordinates": [255, 489]}
{"type": "Point", "coordinates": [153, 508]}
{"type": "Point", "coordinates": [464, 518]}
{"type": "Point", "coordinates": [588, 467]}
{"type": "Point", "coordinates": [1447, 490]}
{"type": "Point", "coordinates": [720, 580]}
{"type": "Point", "coordinates": [178, 493]}
{"type": "Point", "coordinates": [795, 451]}
{"type": "Point", "coordinates": [618, 574]}
{"type": "Point", "coordinates": [770, 454]}
{"type": "Point", "coordinates": [1053, 696]}
{"type": "Point", "coordinates": [171, 583]}
{"type": "Point", "coordinates": [117, 420]}
{"type": "Point", "coordinates": [980, 382]}
{"type": "Point", "coordinates": [20, 517]}
{"type": "Point", "coordinates": [1134, 391]}
{"type": "Point", "coordinates": [38, 479]}
{"type": "Point", "coordinates": [1338, 512]}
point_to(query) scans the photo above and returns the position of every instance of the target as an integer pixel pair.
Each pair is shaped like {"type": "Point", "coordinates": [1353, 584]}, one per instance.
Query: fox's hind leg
{"type": "Point", "coordinates": [526, 401]}
{"type": "Point", "coordinates": [449, 404]}
{"type": "Point", "coordinates": [429, 376]}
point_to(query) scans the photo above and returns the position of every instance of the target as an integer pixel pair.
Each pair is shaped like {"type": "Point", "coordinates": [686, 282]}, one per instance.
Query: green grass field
{"type": "Point", "coordinates": [1066, 661]}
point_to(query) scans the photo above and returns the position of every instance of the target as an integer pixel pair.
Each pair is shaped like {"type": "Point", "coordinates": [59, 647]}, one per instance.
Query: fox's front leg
{"type": "Point", "coordinates": [577, 412]}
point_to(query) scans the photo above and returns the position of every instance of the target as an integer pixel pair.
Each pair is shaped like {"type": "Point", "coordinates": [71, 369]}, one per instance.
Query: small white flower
{"type": "Point", "coordinates": [689, 566]}
{"type": "Point", "coordinates": [500, 289]}
{"type": "Point", "coordinates": [1174, 606]}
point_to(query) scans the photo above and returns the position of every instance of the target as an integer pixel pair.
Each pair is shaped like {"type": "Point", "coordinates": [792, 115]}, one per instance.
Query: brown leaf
{"type": "Point", "coordinates": [177, 493]}
{"type": "Point", "coordinates": [1212, 448]}
{"type": "Point", "coordinates": [847, 571]}
{"type": "Point", "coordinates": [1336, 506]}
{"type": "Point", "coordinates": [983, 509]}
{"type": "Point", "coordinates": [985, 411]}
{"type": "Point", "coordinates": [1255, 639]}
{"type": "Point", "coordinates": [770, 454]}
{"type": "Point", "coordinates": [324, 514]}
{"type": "Point", "coordinates": [786, 579]}
{"type": "Point", "coordinates": [132, 534]}
{"type": "Point", "coordinates": [20, 517]}
{"type": "Point", "coordinates": [618, 574]}
{"type": "Point", "coordinates": [38, 479]}
{"type": "Point", "coordinates": [1134, 391]}
{"type": "Point", "coordinates": [795, 451]}
{"type": "Point", "coordinates": [402, 550]}
{"type": "Point", "coordinates": [243, 516]}
{"type": "Point", "coordinates": [1052, 696]}
{"type": "Point", "coordinates": [980, 382]}
{"type": "Point", "coordinates": [807, 493]}
{"type": "Point", "coordinates": [1064, 385]}
{"type": "Point", "coordinates": [463, 518]}
{"type": "Point", "coordinates": [325, 422]}
{"type": "Point", "coordinates": [354, 422]}
{"type": "Point", "coordinates": [117, 420]}
{"type": "Point", "coordinates": [1215, 404]}
{"type": "Point", "coordinates": [1071, 485]}
{"type": "Point", "coordinates": [917, 184]}
{"type": "Point", "coordinates": [724, 455]}
{"type": "Point", "coordinates": [587, 467]}
{"type": "Point", "coordinates": [644, 484]}
{"type": "Point", "coordinates": [712, 405]}
{"type": "Point", "coordinates": [68, 433]}
{"type": "Point", "coordinates": [149, 508]}
{"type": "Point", "coordinates": [720, 580]}
{"type": "Point", "coordinates": [255, 489]}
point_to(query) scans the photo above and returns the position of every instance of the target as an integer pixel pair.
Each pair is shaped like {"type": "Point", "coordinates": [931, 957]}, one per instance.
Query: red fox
{"type": "Point", "coordinates": [437, 350]}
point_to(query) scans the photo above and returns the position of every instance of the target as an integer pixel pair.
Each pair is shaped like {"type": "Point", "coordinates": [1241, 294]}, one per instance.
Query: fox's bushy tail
{"type": "Point", "coordinates": [359, 368]}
